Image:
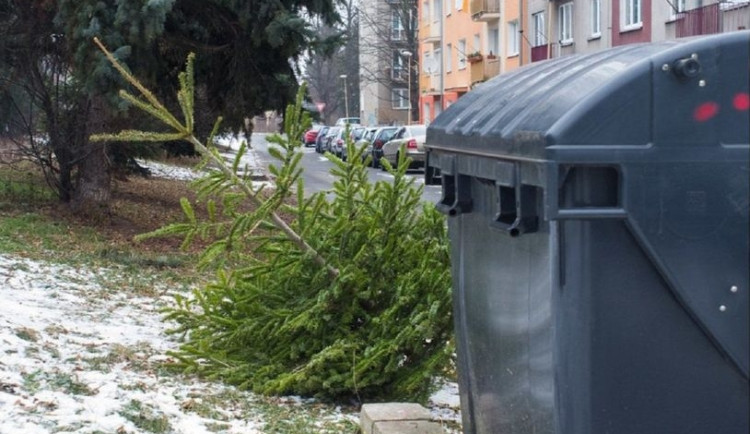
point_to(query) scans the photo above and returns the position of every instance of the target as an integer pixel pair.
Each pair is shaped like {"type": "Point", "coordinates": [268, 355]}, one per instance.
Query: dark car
{"type": "Point", "coordinates": [366, 141]}
{"type": "Point", "coordinates": [327, 145]}
{"type": "Point", "coordinates": [319, 140]}
{"type": "Point", "coordinates": [382, 136]}
{"type": "Point", "coordinates": [356, 133]}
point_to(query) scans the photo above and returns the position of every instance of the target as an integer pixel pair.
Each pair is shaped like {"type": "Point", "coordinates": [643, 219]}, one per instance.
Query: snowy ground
{"type": "Point", "coordinates": [79, 356]}
{"type": "Point", "coordinates": [248, 164]}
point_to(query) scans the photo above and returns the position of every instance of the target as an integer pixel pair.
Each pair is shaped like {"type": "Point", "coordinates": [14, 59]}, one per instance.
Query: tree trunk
{"type": "Point", "coordinates": [92, 196]}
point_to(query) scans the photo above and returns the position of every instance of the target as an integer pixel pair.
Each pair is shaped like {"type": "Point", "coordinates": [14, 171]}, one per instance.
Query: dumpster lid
{"type": "Point", "coordinates": [629, 95]}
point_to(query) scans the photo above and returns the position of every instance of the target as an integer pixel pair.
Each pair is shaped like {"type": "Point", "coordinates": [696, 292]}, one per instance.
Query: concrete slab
{"type": "Point", "coordinates": [397, 418]}
{"type": "Point", "coordinates": [407, 427]}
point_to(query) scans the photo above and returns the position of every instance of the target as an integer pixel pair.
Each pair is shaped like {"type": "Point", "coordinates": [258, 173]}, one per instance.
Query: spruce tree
{"type": "Point", "coordinates": [245, 48]}
{"type": "Point", "coordinates": [347, 298]}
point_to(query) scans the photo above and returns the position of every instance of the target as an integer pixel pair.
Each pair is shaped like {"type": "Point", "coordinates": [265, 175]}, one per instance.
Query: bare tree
{"type": "Point", "coordinates": [322, 73]}
{"type": "Point", "coordinates": [324, 67]}
{"type": "Point", "coordinates": [46, 109]}
{"type": "Point", "coordinates": [391, 41]}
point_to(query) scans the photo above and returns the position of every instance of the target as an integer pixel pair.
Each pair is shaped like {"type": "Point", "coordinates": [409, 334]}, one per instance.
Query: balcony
{"type": "Point", "coordinates": [485, 10]}
{"type": "Point", "coordinates": [704, 20]}
{"type": "Point", "coordinates": [430, 34]}
{"type": "Point", "coordinates": [540, 52]}
{"type": "Point", "coordinates": [484, 69]}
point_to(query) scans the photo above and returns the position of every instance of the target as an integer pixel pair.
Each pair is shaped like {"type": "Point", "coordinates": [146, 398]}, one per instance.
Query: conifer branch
{"type": "Point", "coordinates": [186, 100]}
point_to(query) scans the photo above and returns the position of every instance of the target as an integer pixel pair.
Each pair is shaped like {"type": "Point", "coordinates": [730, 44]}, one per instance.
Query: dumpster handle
{"type": "Point", "coordinates": [456, 197]}
{"type": "Point", "coordinates": [516, 203]}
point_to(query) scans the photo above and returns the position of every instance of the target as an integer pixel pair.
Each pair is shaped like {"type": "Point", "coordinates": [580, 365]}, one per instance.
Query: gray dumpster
{"type": "Point", "coordinates": [598, 215]}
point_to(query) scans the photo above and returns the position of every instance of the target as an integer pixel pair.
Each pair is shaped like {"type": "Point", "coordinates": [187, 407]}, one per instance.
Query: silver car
{"type": "Point", "coordinates": [412, 138]}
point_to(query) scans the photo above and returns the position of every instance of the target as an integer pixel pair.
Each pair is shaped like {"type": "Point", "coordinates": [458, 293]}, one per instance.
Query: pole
{"type": "Point", "coordinates": [346, 98]}
{"type": "Point", "coordinates": [407, 54]}
{"type": "Point", "coordinates": [521, 19]}
{"type": "Point", "coordinates": [408, 88]}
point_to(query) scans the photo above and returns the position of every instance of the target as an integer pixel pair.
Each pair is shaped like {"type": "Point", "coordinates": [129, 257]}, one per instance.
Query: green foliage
{"type": "Point", "coordinates": [244, 47]}
{"type": "Point", "coordinates": [345, 297]}
{"type": "Point", "coordinates": [280, 324]}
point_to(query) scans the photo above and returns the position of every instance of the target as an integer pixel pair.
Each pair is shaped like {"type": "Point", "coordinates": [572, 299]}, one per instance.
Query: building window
{"type": "Point", "coordinates": [631, 14]}
{"type": "Point", "coordinates": [461, 53]}
{"type": "Point", "coordinates": [477, 43]}
{"type": "Point", "coordinates": [596, 19]}
{"type": "Point", "coordinates": [400, 98]}
{"type": "Point", "coordinates": [438, 61]}
{"type": "Point", "coordinates": [675, 8]}
{"type": "Point", "coordinates": [514, 43]}
{"type": "Point", "coordinates": [729, 4]}
{"type": "Point", "coordinates": [565, 24]}
{"type": "Point", "coordinates": [397, 26]}
{"type": "Point", "coordinates": [493, 40]}
{"type": "Point", "coordinates": [438, 11]}
{"type": "Point", "coordinates": [398, 69]}
{"type": "Point", "coordinates": [539, 29]}
{"type": "Point", "coordinates": [427, 63]}
{"type": "Point", "coordinates": [448, 58]}
{"type": "Point", "coordinates": [426, 12]}
{"type": "Point", "coordinates": [459, 4]}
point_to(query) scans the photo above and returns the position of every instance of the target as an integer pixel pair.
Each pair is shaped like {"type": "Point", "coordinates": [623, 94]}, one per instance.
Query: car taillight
{"type": "Point", "coordinates": [411, 144]}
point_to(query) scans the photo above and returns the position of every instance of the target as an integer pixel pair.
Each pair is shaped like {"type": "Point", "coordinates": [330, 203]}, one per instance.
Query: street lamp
{"type": "Point", "coordinates": [407, 55]}
{"type": "Point", "coordinates": [346, 97]}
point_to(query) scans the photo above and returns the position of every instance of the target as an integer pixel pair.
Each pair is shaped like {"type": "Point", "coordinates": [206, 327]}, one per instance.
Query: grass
{"type": "Point", "coordinates": [39, 380]}
{"type": "Point", "coordinates": [302, 419]}
{"type": "Point", "coordinates": [136, 357]}
{"type": "Point", "coordinates": [145, 418]}
{"type": "Point", "coordinates": [278, 416]}
{"type": "Point", "coordinates": [27, 334]}
{"type": "Point", "coordinates": [36, 226]}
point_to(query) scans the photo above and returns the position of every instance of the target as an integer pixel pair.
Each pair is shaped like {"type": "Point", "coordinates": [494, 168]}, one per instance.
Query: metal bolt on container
{"type": "Point", "coordinates": [598, 214]}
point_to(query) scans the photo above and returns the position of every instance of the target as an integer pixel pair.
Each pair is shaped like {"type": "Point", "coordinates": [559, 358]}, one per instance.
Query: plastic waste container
{"type": "Point", "coordinates": [598, 216]}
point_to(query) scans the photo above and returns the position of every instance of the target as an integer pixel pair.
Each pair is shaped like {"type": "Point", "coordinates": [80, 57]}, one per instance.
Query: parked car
{"type": "Point", "coordinates": [366, 141]}
{"type": "Point", "coordinates": [340, 122]}
{"type": "Point", "coordinates": [309, 137]}
{"type": "Point", "coordinates": [327, 145]}
{"type": "Point", "coordinates": [355, 134]}
{"type": "Point", "coordinates": [383, 135]}
{"type": "Point", "coordinates": [411, 138]}
{"type": "Point", "coordinates": [338, 143]}
{"type": "Point", "coordinates": [321, 138]}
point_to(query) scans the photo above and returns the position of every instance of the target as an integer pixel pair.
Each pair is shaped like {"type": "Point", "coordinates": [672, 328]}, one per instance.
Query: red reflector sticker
{"type": "Point", "coordinates": [742, 101]}
{"type": "Point", "coordinates": [705, 111]}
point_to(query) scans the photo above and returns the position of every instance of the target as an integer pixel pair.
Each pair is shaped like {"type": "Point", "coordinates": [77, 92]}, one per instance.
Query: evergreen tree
{"type": "Point", "coordinates": [245, 49]}
{"type": "Point", "coordinates": [345, 298]}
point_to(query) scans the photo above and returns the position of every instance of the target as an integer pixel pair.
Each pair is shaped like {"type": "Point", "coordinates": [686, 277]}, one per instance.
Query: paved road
{"type": "Point", "coordinates": [317, 170]}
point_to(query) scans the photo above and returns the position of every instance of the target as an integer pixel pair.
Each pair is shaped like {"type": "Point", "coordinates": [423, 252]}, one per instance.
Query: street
{"type": "Point", "coordinates": [317, 170]}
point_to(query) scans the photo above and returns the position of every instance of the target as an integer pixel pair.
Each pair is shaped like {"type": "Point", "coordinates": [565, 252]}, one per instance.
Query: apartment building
{"type": "Point", "coordinates": [579, 26]}
{"type": "Point", "coordinates": [388, 61]}
{"type": "Point", "coordinates": [451, 60]}
{"type": "Point", "coordinates": [511, 33]}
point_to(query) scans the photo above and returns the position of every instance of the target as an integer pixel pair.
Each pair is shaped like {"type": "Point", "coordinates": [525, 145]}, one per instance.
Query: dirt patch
{"type": "Point", "coordinates": [138, 206]}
